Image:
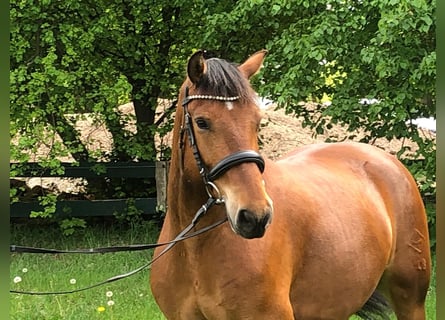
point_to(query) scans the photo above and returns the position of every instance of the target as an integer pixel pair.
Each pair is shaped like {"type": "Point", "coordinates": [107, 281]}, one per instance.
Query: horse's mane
{"type": "Point", "coordinates": [223, 78]}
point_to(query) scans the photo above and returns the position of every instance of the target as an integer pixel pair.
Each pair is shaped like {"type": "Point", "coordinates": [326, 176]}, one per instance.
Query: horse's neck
{"type": "Point", "coordinates": [185, 193]}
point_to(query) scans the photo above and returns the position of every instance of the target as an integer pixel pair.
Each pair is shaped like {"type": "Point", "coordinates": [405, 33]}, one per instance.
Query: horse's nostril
{"type": "Point", "coordinates": [266, 220]}
{"type": "Point", "coordinates": [246, 219]}
{"type": "Point", "coordinates": [250, 225]}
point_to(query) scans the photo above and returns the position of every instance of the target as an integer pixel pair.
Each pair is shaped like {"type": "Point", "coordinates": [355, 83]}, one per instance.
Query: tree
{"type": "Point", "coordinates": [75, 57]}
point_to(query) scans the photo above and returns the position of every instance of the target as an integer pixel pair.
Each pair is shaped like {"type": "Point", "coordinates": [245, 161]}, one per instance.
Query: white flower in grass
{"type": "Point", "coordinates": [73, 281]}
{"type": "Point", "coordinates": [109, 294]}
{"type": "Point", "coordinates": [17, 279]}
{"type": "Point", "coordinates": [24, 270]}
{"type": "Point", "coordinates": [110, 303]}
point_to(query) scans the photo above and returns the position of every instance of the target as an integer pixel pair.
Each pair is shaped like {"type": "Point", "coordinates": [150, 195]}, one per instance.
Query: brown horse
{"type": "Point", "coordinates": [328, 231]}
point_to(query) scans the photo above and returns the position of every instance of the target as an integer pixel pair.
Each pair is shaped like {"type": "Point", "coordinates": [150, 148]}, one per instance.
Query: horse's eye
{"type": "Point", "coordinates": [202, 123]}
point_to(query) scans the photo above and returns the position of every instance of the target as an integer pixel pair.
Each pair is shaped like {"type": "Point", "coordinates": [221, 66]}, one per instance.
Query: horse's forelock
{"type": "Point", "coordinates": [223, 78]}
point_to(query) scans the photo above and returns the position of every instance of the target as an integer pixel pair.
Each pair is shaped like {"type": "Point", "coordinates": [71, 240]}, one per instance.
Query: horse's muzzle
{"type": "Point", "coordinates": [249, 225]}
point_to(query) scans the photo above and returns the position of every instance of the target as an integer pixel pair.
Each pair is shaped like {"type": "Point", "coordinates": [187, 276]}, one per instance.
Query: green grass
{"type": "Point", "coordinates": [131, 296]}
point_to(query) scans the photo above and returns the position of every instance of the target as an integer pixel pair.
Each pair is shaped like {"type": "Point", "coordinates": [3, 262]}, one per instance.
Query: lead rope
{"type": "Point", "coordinates": [180, 237]}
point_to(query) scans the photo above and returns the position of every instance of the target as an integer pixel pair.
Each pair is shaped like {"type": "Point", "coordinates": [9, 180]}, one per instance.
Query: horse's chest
{"type": "Point", "coordinates": [174, 288]}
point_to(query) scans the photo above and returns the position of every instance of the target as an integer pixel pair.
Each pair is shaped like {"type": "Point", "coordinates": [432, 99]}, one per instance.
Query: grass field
{"type": "Point", "coordinates": [129, 298]}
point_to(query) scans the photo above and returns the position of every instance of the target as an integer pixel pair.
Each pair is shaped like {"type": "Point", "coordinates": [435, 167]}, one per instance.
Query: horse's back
{"type": "Point", "coordinates": [349, 166]}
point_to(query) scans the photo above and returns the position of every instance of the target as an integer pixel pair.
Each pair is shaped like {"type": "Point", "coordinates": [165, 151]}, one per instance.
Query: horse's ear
{"type": "Point", "coordinates": [253, 64]}
{"type": "Point", "coordinates": [196, 66]}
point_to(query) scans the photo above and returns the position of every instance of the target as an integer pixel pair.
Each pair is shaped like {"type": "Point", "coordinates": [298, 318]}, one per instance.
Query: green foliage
{"type": "Point", "coordinates": [383, 50]}
{"type": "Point", "coordinates": [431, 214]}
{"type": "Point", "coordinates": [48, 202]}
{"type": "Point", "coordinates": [131, 215]}
{"type": "Point", "coordinates": [69, 226]}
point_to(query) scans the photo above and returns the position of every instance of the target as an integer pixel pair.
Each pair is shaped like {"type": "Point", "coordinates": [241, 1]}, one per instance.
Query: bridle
{"type": "Point", "coordinates": [232, 160]}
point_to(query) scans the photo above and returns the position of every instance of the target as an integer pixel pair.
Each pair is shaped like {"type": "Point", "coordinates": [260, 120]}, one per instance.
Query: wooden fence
{"type": "Point", "coordinates": [106, 207]}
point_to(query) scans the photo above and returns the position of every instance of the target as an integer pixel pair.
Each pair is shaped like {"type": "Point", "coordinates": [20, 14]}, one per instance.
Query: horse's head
{"type": "Point", "coordinates": [224, 118]}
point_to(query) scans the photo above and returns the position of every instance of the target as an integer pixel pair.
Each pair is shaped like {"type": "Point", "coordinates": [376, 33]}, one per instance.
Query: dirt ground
{"type": "Point", "coordinates": [283, 133]}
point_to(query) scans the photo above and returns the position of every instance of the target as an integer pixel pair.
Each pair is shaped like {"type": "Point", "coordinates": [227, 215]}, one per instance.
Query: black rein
{"type": "Point", "coordinates": [184, 234]}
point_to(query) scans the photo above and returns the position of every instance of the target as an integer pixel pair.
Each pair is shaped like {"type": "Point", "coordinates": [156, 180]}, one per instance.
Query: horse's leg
{"type": "Point", "coordinates": [280, 311]}
{"type": "Point", "coordinates": [406, 305]}
{"type": "Point", "coordinates": [407, 294]}
{"type": "Point", "coordinates": [253, 309]}
{"type": "Point", "coordinates": [407, 298]}
{"type": "Point", "coordinates": [406, 280]}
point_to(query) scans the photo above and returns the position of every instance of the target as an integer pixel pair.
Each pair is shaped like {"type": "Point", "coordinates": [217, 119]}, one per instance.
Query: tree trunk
{"type": "Point", "coordinates": [69, 135]}
{"type": "Point", "coordinates": [144, 104]}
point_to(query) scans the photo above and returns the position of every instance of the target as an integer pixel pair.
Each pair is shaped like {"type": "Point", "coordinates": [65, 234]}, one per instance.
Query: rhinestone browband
{"type": "Point", "coordinates": [208, 97]}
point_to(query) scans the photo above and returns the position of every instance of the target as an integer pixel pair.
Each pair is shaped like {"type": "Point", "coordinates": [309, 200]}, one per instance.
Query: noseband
{"type": "Point", "coordinates": [226, 163]}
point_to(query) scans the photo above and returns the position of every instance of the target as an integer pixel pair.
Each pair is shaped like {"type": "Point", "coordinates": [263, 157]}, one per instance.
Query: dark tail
{"type": "Point", "coordinates": [375, 308]}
